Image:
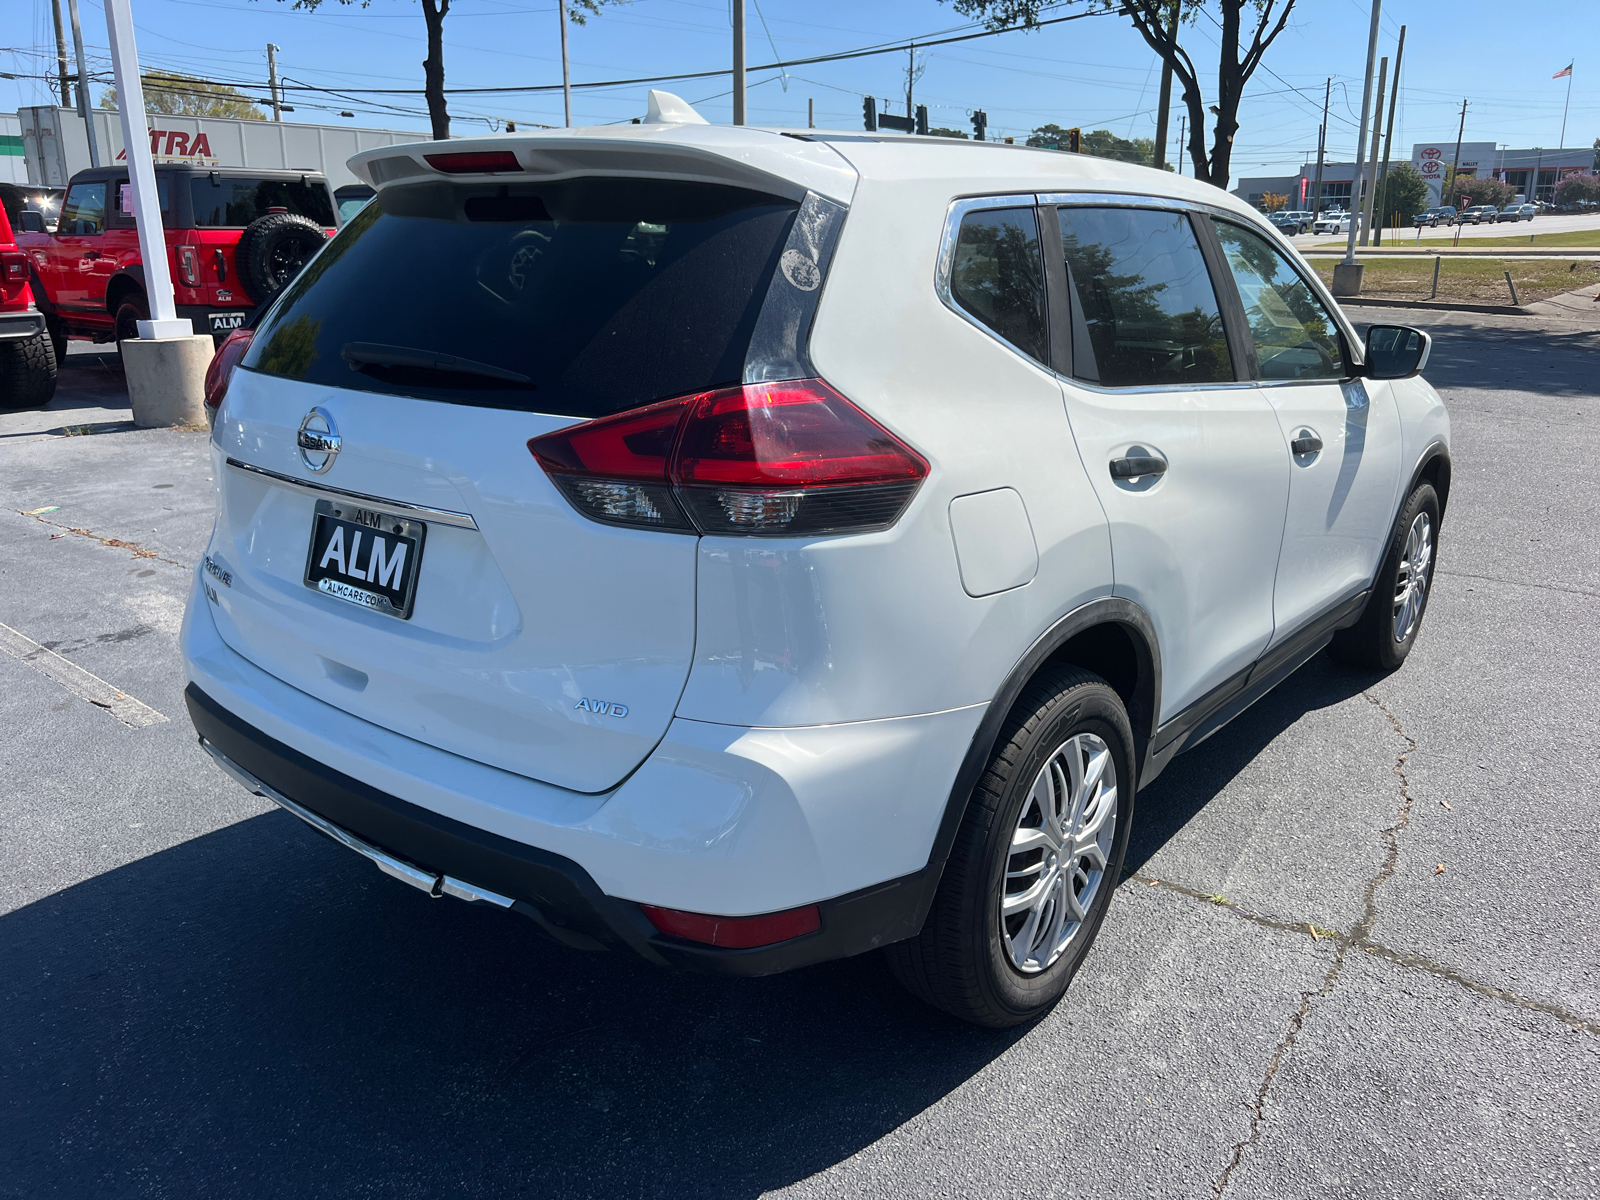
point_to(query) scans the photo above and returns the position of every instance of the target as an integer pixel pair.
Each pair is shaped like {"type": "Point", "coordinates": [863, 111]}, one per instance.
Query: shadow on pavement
{"type": "Point", "coordinates": [1518, 353]}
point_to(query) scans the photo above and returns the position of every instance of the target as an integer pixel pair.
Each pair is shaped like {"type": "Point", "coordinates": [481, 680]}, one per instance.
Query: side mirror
{"type": "Point", "coordinates": [32, 221]}
{"type": "Point", "coordinates": [1396, 351]}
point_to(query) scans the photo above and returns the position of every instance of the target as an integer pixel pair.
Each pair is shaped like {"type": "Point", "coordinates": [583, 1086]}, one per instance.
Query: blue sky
{"type": "Point", "coordinates": [1092, 73]}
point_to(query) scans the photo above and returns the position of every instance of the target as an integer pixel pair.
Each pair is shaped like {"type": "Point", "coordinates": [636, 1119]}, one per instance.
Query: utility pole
{"type": "Point", "coordinates": [738, 62]}
{"type": "Point", "coordinates": [566, 71]}
{"type": "Point", "coordinates": [1183, 138]}
{"type": "Point", "coordinates": [85, 104]}
{"type": "Point", "coordinates": [61, 55]}
{"type": "Point", "coordinates": [1166, 99]}
{"type": "Point", "coordinates": [1388, 140]}
{"type": "Point", "coordinates": [1456, 166]}
{"type": "Point", "coordinates": [272, 82]}
{"type": "Point", "coordinates": [1322, 147]}
{"type": "Point", "coordinates": [1370, 200]}
{"type": "Point", "coordinates": [811, 112]}
{"type": "Point", "coordinates": [1347, 272]}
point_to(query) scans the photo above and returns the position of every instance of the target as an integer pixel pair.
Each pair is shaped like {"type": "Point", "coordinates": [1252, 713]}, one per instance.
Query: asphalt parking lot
{"type": "Point", "coordinates": [1357, 955]}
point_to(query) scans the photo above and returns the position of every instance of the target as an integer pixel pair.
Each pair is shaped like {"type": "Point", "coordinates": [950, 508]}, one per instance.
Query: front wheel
{"type": "Point", "coordinates": [1038, 854]}
{"type": "Point", "coordinates": [1389, 624]}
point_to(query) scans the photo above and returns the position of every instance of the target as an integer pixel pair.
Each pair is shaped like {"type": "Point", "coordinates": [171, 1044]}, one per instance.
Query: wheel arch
{"type": "Point", "coordinates": [1432, 467]}
{"type": "Point", "coordinates": [1112, 637]}
{"type": "Point", "coordinates": [129, 279]}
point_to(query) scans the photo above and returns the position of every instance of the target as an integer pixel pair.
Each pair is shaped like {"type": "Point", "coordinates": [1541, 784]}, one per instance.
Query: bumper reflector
{"type": "Point", "coordinates": [735, 933]}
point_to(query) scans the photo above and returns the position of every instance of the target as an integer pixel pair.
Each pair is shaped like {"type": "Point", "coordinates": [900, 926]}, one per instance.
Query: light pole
{"type": "Point", "coordinates": [85, 104]}
{"type": "Point", "coordinates": [738, 62]}
{"type": "Point", "coordinates": [566, 74]}
{"type": "Point", "coordinates": [1347, 272]}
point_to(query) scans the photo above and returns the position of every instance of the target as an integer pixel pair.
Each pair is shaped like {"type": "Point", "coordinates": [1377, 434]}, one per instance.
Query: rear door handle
{"type": "Point", "coordinates": [1307, 443]}
{"type": "Point", "coordinates": [1133, 468]}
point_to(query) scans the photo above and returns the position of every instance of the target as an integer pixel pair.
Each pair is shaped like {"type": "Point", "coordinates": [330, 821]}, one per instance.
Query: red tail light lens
{"type": "Point", "coordinates": [222, 364]}
{"type": "Point", "coordinates": [775, 459]}
{"type": "Point", "coordinates": [13, 274]}
{"type": "Point", "coordinates": [475, 162]}
{"type": "Point", "coordinates": [735, 933]}
{"type": "Point", "coordinates": [189, 265]}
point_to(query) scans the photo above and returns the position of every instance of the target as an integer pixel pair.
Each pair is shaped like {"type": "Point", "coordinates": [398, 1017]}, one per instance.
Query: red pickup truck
{"type": "Point", "coordinates": [234, 235]}
{"type": "Point", "coordinates": [27, 366]}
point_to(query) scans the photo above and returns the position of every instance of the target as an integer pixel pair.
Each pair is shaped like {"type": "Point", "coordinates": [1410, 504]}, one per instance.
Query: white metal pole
{"type": "Point", "coordinates": [1361, 135]}
{"type": "Point", "coordinates": [566, 73]}
{"type": "Point", "coordinates": [738, 62]}
{"type": "Point", "coordinates": [85, 103]}
{"type": "Point", "coordinates": [165, 322]}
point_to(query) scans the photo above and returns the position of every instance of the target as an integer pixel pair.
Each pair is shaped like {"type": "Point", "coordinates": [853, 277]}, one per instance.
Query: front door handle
{"type": "Point", "coordinates": [1306, 443]}
{"type": "Point", "coordinates": [91, 254]}
{"type": "Point", "coordinates": [1134, 467]}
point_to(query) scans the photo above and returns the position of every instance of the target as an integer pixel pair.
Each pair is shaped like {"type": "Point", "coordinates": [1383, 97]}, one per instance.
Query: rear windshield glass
{"type": "Point", "coordinates": [234, 202]}
{"type": "Point", "coordinates": [580, 298]}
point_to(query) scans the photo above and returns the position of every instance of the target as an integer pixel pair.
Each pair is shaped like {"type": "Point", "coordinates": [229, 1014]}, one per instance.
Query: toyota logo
{"type": "Point", "coordinates": [318, 441]}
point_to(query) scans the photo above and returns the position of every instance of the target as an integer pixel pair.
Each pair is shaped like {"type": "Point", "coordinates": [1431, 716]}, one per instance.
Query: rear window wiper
{"type": "Point", "coordinates": [361, 355]}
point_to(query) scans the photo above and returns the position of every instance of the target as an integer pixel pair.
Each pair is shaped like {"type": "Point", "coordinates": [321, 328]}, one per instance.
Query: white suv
{"type": "Point", "coordinates": [750, 548]}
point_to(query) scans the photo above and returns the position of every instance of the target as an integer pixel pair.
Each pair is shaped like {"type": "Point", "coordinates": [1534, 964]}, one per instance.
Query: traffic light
{"type": "Point", "coordinates": [1073, 140]}
{"type": "Point", "coordinates": [922, 119]}
{"type": "Point", "coordinates": [869, 112]}
{"type": "Point", "coordinates": [980, 122]}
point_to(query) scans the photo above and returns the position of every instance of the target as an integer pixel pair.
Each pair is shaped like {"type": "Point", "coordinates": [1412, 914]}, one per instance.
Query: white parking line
{"type": "Point", "coordinates": [76, 680]}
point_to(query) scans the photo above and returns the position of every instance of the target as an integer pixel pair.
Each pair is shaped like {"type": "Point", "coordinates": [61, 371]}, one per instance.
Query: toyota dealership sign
{"type": "Point", "coordinates": [1433, 161]}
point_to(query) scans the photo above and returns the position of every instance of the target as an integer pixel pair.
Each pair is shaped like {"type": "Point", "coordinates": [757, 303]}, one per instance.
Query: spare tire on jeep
{"type": "Point", "coordinates": [272, 250]}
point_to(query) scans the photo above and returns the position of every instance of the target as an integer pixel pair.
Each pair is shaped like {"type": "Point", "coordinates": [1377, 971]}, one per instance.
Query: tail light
{"type": "Point", "coordinates": [189, 265]}
{"type": "Point", "coordinates": [766, 459]}
{"type": "Point", "coordinates": [13, 273]}
{"type": "Point", "coordinates": [474, 162]}
{"type": "Point", "coordinates": [735, 933]}
{"type": "Point", "coordinates": [222, 364]}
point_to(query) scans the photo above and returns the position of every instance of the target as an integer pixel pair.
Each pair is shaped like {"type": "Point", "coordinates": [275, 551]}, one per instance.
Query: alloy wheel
{"type": "Point", "coordinates": [1057, 861]}
{"type": "Point", "coordinates": [1411, 581]}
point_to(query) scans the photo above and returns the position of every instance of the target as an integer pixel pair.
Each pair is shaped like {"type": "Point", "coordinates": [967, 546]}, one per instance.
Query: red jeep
{"type": "Point", "coordinates": [234, 236]}
{"type": "Point", "coordinates": [27, 366]}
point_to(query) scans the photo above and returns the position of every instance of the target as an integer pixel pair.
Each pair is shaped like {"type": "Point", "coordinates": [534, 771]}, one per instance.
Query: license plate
{"type": "Point", "coordinates": [226, 322]}
{"type": "Point", "coordinates": [365, 557]}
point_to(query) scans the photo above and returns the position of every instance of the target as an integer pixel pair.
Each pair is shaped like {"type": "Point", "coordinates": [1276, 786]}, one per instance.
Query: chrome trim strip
{"type": "Point", "coordinates": [947, 258]}
{"type": "Point", "coordinates": [434, 885]}
{"type": "Point", "coordinates": [440, 516]}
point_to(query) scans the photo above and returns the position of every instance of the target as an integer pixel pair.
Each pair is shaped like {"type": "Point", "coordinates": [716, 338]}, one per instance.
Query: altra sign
{"type": "Point", "coordinates": [178, 145]}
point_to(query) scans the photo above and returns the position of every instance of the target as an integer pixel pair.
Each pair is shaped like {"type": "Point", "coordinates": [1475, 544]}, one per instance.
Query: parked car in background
{"type": "Point", "coordinates": [1335, 222]}
{"type": "Point", "coordinates": [1478, 214]}
{"type": "Point", "coordinates": [233, 236]}
{"type": "Point", "coordinates": [1515, 212]}
{"type": "Point", "coordinates": [1442, 214]}
{"type": "Point", "coordinates": [27, 362]}
{"type": "Point", "coordinates": [1290, 224]}
{"type": "Point", "coordinates": [582, 551]}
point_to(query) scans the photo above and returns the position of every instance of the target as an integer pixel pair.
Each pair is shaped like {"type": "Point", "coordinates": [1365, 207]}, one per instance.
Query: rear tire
{"type": "Point", "coordinates": [272, 250]}
{"type": "Point", "coordinates": [132, 309]}
{"type": "Point", "coordinates": [27, 372]}
{"type": "Point", "coordinates": [57, 329]}
{"type": "Point", "coordinates": [1389, 624]}
{"type": "Point", "coordinates": [978, 957]}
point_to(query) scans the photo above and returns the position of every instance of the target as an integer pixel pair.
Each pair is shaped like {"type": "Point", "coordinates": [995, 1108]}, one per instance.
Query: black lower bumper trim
{"type": "Point", "coordinates": [553, 891]}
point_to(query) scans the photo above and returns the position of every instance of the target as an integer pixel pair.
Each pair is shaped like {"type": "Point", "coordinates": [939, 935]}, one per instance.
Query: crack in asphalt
{"type": "Point", "coordinates": [135, 548]}
{"type": "Point", "coordinates": [1549, 587]}
{"type": "Point", "coordinates": [1359, 938]}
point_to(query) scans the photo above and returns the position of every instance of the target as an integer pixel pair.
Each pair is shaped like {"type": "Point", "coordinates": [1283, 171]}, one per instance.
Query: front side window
{"type": "Point", "coordinates": [1295, 336]}
{"type": "Point", "coordinates": [998, 275]}
{"type": "Point", "coordinates": [84, 210]}
{"type": "Point", "coordinates": [223, 202]}
{"type": "Point", "coordinates": [1143, 310]}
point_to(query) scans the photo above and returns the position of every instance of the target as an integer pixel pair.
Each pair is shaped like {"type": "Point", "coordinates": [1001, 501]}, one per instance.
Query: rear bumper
{"type": "Point", "coordinates": [19, 326]}
{"type": "Point", "coordinates": [718, 820]}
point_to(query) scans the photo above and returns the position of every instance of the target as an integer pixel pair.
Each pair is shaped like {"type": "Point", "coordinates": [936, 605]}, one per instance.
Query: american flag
{"type": "Point", "coordinates": [1564, 72]}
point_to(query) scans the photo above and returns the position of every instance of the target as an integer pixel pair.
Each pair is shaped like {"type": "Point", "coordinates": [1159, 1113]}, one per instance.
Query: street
{"type": "Point", "coordinates": [1355, 955]}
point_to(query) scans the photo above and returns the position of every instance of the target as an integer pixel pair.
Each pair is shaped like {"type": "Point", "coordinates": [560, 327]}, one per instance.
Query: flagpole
{"type": "Point", "coordinates": [1567, 105]}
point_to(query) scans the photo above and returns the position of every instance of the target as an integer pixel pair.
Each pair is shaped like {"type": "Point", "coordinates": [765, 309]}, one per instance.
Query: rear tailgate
{"type": "Point", "coordinates": [429, 342]}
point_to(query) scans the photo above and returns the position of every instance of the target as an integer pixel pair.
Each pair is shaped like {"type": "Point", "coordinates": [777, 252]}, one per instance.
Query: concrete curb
{"type": "Point", "coordinates": [1426, 251]}
{"type": "Point", "coordinates": [1436, 306]}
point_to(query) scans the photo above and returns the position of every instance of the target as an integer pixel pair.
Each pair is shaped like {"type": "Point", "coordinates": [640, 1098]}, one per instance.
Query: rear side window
{"type": "Point", "coordinates": [1143, 309]}
{"type": "Point", "coordinates": [998, 275]}
{"type": "Point", "coordinates": [224, 202]}
{"type": "Point", "coordinates": [580, 298]}
{"type": "Point", "coordinates": [1295, 336]}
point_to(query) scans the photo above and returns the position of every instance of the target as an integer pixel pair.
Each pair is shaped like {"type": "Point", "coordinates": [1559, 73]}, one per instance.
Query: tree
{"type": "Point", "coordinates": [1272, 201]}
{"type": "Point", "coordinates": [433, 15]}
{"type": "Point", "coordinates": [1404, 194]}
{"type": "Point", "coordinates": [1576, 188]}
{"type": "Point", "coordinates": [941, 131]}
{"type": "Point", "coordinates": [1153, 21]}
{"type": "Point", "coordinates": [189, 96]}
{"type": "Point", "coordinates": [1465, 190]}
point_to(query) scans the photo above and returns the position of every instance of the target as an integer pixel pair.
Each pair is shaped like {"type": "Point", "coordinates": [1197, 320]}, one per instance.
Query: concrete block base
{"type": "Point", "coordinates": [1347, 278]}
{"type": "Point", "coordinates": [167, 379]}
